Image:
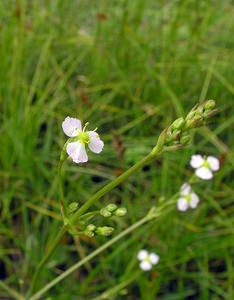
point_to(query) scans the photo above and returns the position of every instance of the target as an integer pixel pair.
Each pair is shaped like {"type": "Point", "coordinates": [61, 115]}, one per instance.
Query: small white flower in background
{"type": "Point", "coordinates": [205, 166]}
{"type": "Point", "coordinates": [147, 260]}
{"type": "Point", "coordinates": [187, 198]}
{"type": "Point", "coordinates": [76, 150]}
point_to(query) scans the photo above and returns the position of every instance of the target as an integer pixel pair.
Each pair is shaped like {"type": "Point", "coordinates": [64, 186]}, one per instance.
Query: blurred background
{"type": "Point", "coordinates": [130, 68]}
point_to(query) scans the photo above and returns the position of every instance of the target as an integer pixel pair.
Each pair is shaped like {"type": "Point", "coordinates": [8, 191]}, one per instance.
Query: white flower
{"type": "Point", "coordinates": [205, 166]}
{"type": "Point", "coordinates": [187, 198]}
{"type": "Point", "coordinates": [147, 260]}
{"type": "Point", "coordinates": [76, 150]}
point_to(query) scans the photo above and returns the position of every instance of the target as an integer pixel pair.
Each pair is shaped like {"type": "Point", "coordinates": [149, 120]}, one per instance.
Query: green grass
{"type": "Point", "coordinates": [130, 68]}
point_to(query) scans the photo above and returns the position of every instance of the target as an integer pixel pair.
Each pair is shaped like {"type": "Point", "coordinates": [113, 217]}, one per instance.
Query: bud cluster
{"type": "Point", "coordinates": [72, 207]}
{"type": "Point", "coordinates": [179, 131]}
{"type": "Point", "coordinates": [113, 210]}
{"type": "Point", "coordinates": [92, 230]}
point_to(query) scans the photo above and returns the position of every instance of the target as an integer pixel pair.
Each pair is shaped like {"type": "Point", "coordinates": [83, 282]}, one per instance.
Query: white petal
{"type": "Point", "coordinates": [145, 265]}
{"type": "Point", "coordinates": [96, 144]}
{"type": "Point", "coordinates": [204, 173]}
{"type": "Point", "coordinates": [213, 162]}
{"type": "Point", "coordinates": [194, 200]}
{"type": "Point", "coordinates": [196, 161]}
{"type": "Point", "coordinates": [154, 258]}
{"type": "Point", "coordinates": [182, 204]}
{"type": "Point", "coordinates": [77, 152]}
{"type": "Point", "coordinates": [185, 189]}
{"type": "Point", "coordinates": [71, 125]}
{"type": "Point", "coordinates": [142, 254]}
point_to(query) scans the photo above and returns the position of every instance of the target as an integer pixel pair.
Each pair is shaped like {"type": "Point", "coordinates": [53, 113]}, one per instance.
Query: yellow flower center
{"type": "Point", "coordinates": [206, 164]}
{"type": "Point", "coordinates": [83, 137]}
{"type": "Point", "coordinates": [147, 259]}
{"type": "Point", "coordinates": [188, 198]}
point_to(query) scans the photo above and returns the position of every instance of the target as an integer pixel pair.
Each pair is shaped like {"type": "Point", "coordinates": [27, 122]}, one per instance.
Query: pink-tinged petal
{"type": "Point", "coordinates": [196, 161]}
{"type": "Point", "coordinates": [71, 126]}
{"type": "Point", "coordinates": [182, 204]}
{"type": "Point", "coordinates": [185, 189]}
{"type": "Point", "coordinates": [142, 254]}
{"type": "Point", "coordinates": [77, 152]}
{"type": "Point", "coordinates": [194, 200]}
{"type": "Point", "coordinates": [204, 173]}
{"type": "Point", "coordinates": [154, 258]}
{"type": "Point", "coordinates": [214, 163]}
{"type": "Point", "coordinates": [96, 144]}
{"type": "Point", "coordinates": [145, 265]}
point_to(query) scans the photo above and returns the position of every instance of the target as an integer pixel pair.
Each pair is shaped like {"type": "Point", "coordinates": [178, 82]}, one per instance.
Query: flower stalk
{"type": "Point", "coordinates": [176, 136]}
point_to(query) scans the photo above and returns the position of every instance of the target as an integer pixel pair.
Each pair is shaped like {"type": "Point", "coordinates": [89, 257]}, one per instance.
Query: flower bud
{"type": "Point", "coordinates": [185, 139]}
{"type": "Point", "coordinates": [209, 105]}
{"type": "Point", "coordinates": [91, 227]}
{"type": "Point", "coordinates": [178, 124]}
{"type": "Point", "coordinates": [120, 212]}
{"type": "Point", "coordinates": [105, 213]}
{"type": "Point", "coordinates": [190, 115]}
{"type": "Point", "coordinates": [89, 233]}
{"type": "Point", "coordinates": [111, 207]}
{"type": "Point", "coordinates": [72, 207]}
{"type": "Point", "coordinates": [105, 230]}
{"type": "Point", "coordinates": [194, 122]}
{"type": "Point", "coordinates": [90, 230]}
{"type": "Point", "coordinates": [176, 135]}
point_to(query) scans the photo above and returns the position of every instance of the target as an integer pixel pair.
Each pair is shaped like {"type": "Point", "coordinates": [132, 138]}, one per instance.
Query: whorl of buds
{"type": "Point", "coordinates": [91, 230]}
{"type": "Point", "coordinates": [104, 230]}
{"type": "Point", "coordinates": [178, 133]}
{"type": "Point", "coordinates": [113, 210]}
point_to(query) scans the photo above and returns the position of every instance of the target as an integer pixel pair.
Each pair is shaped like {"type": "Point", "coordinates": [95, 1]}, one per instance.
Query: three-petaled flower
{"type": "Point", "coordinates": [147, 260]}
{"type": "Point", "coordinates": [76, 148]}
{"type": "Point", "coordinates": [205, 166]}
{"type": "Point", "coordinates": [187, 198]}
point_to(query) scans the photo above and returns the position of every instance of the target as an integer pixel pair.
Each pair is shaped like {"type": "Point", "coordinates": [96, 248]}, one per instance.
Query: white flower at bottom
{"type": "Point", "coordinates": [76, 150]}
{"type": "Point", "coordinates": [205, 166]}
{"type": "Point", "coordinates": [147, 260]}
{"type": "Point", "coordinates": [187, 199]}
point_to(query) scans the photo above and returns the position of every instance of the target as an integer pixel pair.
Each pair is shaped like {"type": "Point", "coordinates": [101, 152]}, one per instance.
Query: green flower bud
{"type": "Point", "coordinates": [178, 124]}
{"type": "Point", "coordinates": [211, 113]}
{"type": "Point", "coordinates": [185, 139]}
{"type": "Point", "coordinates": [191, 115]}
{"type": "Point", "coordinates": [195, 122]}
{"type": "Point", "coordinates": [105, 230]}
{"type": "Point", "coordinates": [72, 207]}
{"type": "Point", "coordinates": [105, 213]}
{"type": "Point", "coordinates": [120, 212]}
{"type": "Point", "coordinates": [89, 233]}
{"type": "Point", "coordinates": [90, 227]}
{"type": "Point", "coordinates": [111, 207]}
{"type": "Point", "coordinates": [176, 135]}
{"type": "Point", "coordinates": [209, 105]}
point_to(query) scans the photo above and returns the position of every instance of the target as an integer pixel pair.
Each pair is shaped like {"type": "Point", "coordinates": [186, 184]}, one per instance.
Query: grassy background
{"type": "Point", "coordinates": [130, 68]}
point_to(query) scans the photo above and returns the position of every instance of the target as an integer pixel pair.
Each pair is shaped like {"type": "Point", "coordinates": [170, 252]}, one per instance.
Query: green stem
{"type": "Point", "coordinates": [11, 292]}
{"type": "Point", "coordinates": [86, 206]}
{"type": "Point", "coordinates": [60, 183]}
{"type": "Point", "coordinates": [89, 257]}
{"type": "Point", "coordinates": [90, 214]}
